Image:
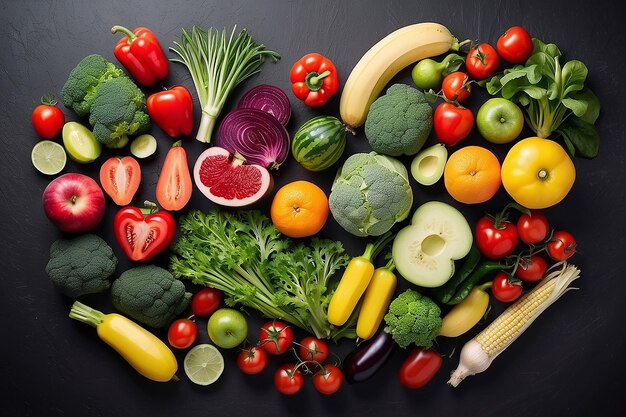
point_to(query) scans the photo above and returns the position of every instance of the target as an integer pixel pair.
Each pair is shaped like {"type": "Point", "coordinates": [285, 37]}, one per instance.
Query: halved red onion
{"type": "Point", "coordinates": [255, 135]}
{"type": "Point", "coordinates": [270, 99]}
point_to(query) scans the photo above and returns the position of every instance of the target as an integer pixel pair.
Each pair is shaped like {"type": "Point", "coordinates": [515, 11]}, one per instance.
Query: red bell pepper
{"type": "Point", "coordinates": [314, 79]}
{"type": "Point", "coordinates": [141, 54]}
{"type": "Point", "coordinates": [172, 110]}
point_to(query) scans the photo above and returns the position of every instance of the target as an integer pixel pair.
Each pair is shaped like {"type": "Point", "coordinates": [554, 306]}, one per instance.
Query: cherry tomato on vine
{"type": "Point", "coordinates": [205, 302]}
{"type": "Point", "coordinates": [455, 86]}
{"type": "Point", "coordinates": [288, 380]}
{"type": "Point", "coordinates": [531, 269]}
{"type": "Point", "coordinates": [328, 380]}
{"type": "Point", "coordinates": [182, 333]}
{"type": "Point", "coordinates": [313, 349]}
{"type": "Point", "coordinates": [481, 61]}
{"type": "Point", "coordinates": [47, 118]}
{"type": "Point", "coordinates": [495, 239]}
{"type": "Point", "coordinates": [419, 368]}
{"type": "Point", "coordinates": [505, 289]}
{"type": "Point", "coordinates": [515, 45]}
{"type": "Point", "coordinates": [452, 124]}
{"type": "Point", "coordinates": [533, 228]}
{"type": "Point", "coordinates": [252, 360]}
{"type": "Point", "coordinates": [562, 246]}
{"type": "Point", "coordinates": [275, 337]}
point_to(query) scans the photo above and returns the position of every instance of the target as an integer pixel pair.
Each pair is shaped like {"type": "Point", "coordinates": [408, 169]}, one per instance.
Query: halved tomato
{"type": "Point", "coordinates": [174, 185]}
{"type": "Point", "coordinates": [120, 178]}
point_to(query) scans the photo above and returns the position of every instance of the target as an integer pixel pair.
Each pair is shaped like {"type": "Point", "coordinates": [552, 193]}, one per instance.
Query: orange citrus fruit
{"type": "Point", "coordinates": [299, 209]}
{"type": "Point", "coordinates": [472, 175]}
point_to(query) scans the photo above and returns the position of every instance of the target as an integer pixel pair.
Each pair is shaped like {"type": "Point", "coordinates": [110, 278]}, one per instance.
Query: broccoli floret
{"type": "Point", "coordinates": [81, 265]}
{"type": "Point", "coordinates": [118, 110]}
{"type": "Point", "coordinates": [413, 318]}
{"type": "Point", "coordinates": [370, 194]}
{"type": "Point", "coordinates": [81, 85]}
{"type": "Point", "coordinates": [150, 295]}
{"type": "Point", "coordinates": [399, 122]}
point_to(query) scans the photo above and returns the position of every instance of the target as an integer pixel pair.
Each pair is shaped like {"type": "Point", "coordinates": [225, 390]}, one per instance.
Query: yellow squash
{"type": "Point", "coordinates": [376, 301]}
{"type": "Point", "coordinates": [537, 173]}
{"type": "Point", "coordinates": [142, 350]}
{"type": "Point", "coordinates": [466, 314]}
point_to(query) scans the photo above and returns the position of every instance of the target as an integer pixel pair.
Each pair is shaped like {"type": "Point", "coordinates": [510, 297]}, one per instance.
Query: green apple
{"type": "Point", "coordinates": [227, 328]}
{"type": "Point", "coordinates": [499, 120]}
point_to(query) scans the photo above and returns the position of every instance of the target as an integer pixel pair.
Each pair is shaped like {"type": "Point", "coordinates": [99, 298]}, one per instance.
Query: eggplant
{"type": "Point", "coordinates": [368, 357]}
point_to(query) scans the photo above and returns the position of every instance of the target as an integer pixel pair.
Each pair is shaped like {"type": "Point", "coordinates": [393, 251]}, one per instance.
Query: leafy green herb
{"type": "Point", "coordinates": [245, 256]}
{"type": "Point", "coordinates": [554, 97]}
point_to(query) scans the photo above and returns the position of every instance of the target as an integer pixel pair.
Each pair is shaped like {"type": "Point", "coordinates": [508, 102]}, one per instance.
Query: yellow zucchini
{"type": "Point", "coordinates": [376, 301]}
{"type": "Point", "coordinates": [466, 314]}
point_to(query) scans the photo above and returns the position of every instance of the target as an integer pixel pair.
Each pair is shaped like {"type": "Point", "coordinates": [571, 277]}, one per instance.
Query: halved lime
{"type": "Point", "coordinates": [80, 143]}
{"type": "Point", "coordinates": [143, 146]}
{"type": "Point", "coordinates": [48, 157]}
{"type": "Point", "coordinates": [203, 364]}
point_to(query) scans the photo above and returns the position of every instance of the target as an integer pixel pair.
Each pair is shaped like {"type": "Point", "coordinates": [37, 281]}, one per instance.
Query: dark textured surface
{"type": "Point", "coordinates": [569, 363]}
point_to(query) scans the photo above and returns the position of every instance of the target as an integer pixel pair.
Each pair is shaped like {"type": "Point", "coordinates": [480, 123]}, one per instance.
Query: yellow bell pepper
{"type": "Point", "coordinates": [537, 173]}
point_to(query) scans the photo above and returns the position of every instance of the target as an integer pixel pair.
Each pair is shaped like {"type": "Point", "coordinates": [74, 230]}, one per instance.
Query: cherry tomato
{"type": "Point", "coordinates": [533, 228]}
{"type": "Point", "coordinates": [482, 61]}
{"type": "Point", "coordinates": [275, 337]}
{"type": "Point", "coordinates": [515, 45]}
{"type": "Point", "coordinates": [313, 349]}
{"type": "Point", "coordinates": [205, 302]}
{"type": "Point", "coordinates": [419, 367]}
{"type": "Point", "coordinates": [252, 360]}
{"type": "Point", "coordinates": [328, 380]}
{"type": "Point", "coordinates": [562, 246]}
{"type": "Point", "coordinates": [452, 123]}
{"type": "Point", "coordinates": [182, 333]}
{"type": "Point", "coordinates": [47, 118]}
{"type": "Point", "coordinates": [505, 289]}
{"type": "Point", "coordinates": [531, 269]}
{"type": "Point", "coordinates": [455, 86]}
{"type": "Point", "coordinates": [288, 380]}
{"type": "Point", "coordinates": [495, 242]}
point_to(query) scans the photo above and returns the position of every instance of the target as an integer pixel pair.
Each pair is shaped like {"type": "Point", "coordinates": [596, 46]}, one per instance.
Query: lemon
{"type": "Point", "coordinates": [48, 157]}
{"type": "Point", "coordinates": [203, 364]}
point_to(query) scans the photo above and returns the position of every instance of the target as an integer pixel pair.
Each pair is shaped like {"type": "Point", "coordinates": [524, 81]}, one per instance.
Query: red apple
{"type": "Point", "coordinates": [74, 203]}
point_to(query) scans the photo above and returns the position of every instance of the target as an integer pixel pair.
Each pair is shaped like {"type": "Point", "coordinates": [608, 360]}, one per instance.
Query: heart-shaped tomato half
{"type": "Point", "coordinates": [120, 178]}
{"type": "Point", "coordinates": [141, 235]}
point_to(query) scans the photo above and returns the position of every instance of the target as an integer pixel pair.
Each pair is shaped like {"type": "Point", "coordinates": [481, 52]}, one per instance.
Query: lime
{"type": "Point", "coordinates": [203, 364]}
{"type": "Point", "coordinates": [48, 157]}
{"type": "Point", "coordinates": [143, 146]}
{"type": "Point", "coordinates": [80, 143]}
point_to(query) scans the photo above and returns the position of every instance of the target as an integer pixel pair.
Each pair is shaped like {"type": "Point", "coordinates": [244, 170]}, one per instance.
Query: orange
{"type": "Point", "coordinates": [299, 209]}
{"type": "Point", "coordinates": [472, 175]}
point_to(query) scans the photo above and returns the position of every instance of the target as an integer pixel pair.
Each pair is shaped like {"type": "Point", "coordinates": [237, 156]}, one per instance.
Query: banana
{"type": "Point", "coordinates": [384, 60]}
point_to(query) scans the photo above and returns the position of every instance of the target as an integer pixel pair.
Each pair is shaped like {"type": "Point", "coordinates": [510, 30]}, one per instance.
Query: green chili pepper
{"type": "Point", "coordinates": [466, 286]}
{"type": "Point", "coordinates": [444, 293]}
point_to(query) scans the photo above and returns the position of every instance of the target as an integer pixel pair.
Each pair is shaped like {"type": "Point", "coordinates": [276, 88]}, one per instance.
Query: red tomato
{"type": "Point", "coordinates": [288, 380]}
{"type": "Point", "coordinates": [482, 61]}
{"type": "Point", "coordinates": [515, 45]}
{"type": "Point", "coordinates": [531, 269]}
{"type": "Point", "coordinates": [120, 179]}
{"type": "Point", "coordinates": [504, 289]}
{"type": "Point", "coordinates": [252, 360]}
{"type": "Point", "coordinates": [313, 349]}
{"type": "Point", "coordinates": [495, 242]}
{"type": "Point", "coordinates": [562, 246]}
{"type": "Point", "coordinates": [275, 337]}
{"type": "Point", "coordinates": [174, 187]}
{"type": "Point", "coordinates": [47, 118]}
{"type": "Point", "coordinates": [533, 228]}
{"type": "Point", "coordinates": [205, 302]}
{"type": "Point", "coordinates": [455, 86]}
{"type": "Point", "coordinates": [419, 368]}
{"type": "Point", "coordinates": [182, 333]}
{"type": "Point", "coordinates": [452, 123]}
{"type": "Point", "coordinates": [328, 380]}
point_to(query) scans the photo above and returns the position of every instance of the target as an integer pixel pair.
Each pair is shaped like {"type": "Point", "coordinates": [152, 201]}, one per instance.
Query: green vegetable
{"type": "Point", "coordinates": [428, 73]}
{"type": "Point", "coordinates": [413, 318]}
{"type": "Point", "coordinates": [555, 98]}
{"type": "Point", "coordinates": [218, 64]}
{"type": "Point", "coordinates": [118, 110]}
{"type": "Point", "coordinates": [444, 293]}
{"type": "Point", "coordinates": [150, 295]}
{"type": "Point", "coordinates": [463, 290]}
{"type": "Point", "coordinates": [81, 265]}
{"type": "Point", "coordinates": [319, 143]}
{"type": "Point", "coordinates": [371, 192]}
{"type": "Point", "coordinates": [80, 88]}
{"type": "Point", "coordinates": [243, 254]}
{"type": "Point", "coordinates": [399, 122]}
